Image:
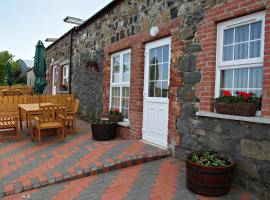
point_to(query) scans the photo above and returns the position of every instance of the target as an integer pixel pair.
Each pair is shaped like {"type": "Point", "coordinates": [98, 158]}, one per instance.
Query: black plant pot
{"type": "Point", "coordinates": [103, 132]}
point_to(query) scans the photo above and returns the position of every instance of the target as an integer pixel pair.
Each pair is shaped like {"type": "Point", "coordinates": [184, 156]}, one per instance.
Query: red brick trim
{"type": "Point", "coordinates": [51, 77]}
{"type": "Point", "coordinates": [206, 59]}
{"type": "Point", "coordinates": [137, 45]}
{"type": "Point", "coordinates": [60, 75]}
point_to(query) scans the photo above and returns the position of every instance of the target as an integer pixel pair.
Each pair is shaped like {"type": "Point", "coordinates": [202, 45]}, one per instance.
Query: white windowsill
{"type": "Point", "coordinates": [256, 119]}
{"type": "Point", "coordinates": [124, 124]}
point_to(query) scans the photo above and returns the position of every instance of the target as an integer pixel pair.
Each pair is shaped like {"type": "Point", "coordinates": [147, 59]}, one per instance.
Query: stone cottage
{"type": "Point", "coordinates": [163, 62]}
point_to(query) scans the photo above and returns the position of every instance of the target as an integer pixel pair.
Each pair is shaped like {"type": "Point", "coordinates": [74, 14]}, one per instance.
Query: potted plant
{"type": "Point", "coordinates": [92, 63]}
{"type": "Point", "coordinates": [115, 115]}
{"type": "Point", "coordinates": [63, 87]}
{"type": "Point", "coordinates": [103, 129]}
{"type": "Point", "coordinates": [243, 104]}
{"type": "Point", "coordinates": [209, 173]}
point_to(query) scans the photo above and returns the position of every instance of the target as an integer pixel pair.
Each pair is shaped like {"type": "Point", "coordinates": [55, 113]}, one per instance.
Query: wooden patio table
{"type": "Point", "coordinates": [33, 108]}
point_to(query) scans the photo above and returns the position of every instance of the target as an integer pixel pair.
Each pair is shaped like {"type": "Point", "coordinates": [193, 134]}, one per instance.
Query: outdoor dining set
{"type": "Point", "coordinates": [41, 119]}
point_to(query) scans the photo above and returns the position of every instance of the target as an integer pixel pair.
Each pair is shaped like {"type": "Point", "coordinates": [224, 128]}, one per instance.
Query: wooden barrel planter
{"type": "Point", "coordinates": [103, 132]}
{"type": "Point", "coordinates": [208, 180]}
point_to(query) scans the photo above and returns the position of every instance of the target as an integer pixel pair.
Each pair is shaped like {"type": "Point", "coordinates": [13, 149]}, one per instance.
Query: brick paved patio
{"type": "Point", "coordinates": [26, 165]}
{"type": "Point", "coordinates": [161, 180]}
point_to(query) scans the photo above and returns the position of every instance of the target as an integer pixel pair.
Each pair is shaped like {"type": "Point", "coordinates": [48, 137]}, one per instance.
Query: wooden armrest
{"type": "Point", "coordinates": [36, 119]}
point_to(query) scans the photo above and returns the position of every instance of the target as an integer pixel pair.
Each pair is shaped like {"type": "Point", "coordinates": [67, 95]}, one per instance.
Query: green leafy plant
{"type": "Point", "coordinates": [102, 122]}
{"type": "Point", "coordinates": [209, 158]}
{"type": "Point", "coordinates": [241, 97]}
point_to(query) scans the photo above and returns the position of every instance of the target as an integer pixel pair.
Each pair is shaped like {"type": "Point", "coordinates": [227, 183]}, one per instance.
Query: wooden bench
{"type": "Point", "coordinates": [9, 124]}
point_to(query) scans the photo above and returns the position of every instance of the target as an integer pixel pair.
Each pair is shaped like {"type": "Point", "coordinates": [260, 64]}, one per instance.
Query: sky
{"type": "Point", "coordinates": [24, 22]}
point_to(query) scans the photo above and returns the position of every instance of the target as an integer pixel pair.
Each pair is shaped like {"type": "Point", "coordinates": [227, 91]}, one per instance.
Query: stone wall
{"type": "Point", "coordinates": [248, 143]}
{"type": "Point", "coordinates": [55, 55]}
{"type": "Point", "coordinates": [124, 19]}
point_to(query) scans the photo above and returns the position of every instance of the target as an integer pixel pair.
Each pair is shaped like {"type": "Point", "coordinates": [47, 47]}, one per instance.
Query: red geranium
{"type": "Point", "coordinates": [115, 111]}
{"type": "Point", "coordinates": [245, 95]}
{"type": "Point", "coordinates": [227, 93]}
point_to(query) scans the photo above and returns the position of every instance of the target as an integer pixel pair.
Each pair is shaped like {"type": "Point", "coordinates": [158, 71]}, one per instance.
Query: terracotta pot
{"type": "Point", "coordinates": [103, 132]}
{"type": "Point", "coordinates": [207, 180]}
{"type": "Point", "coordinates": [240, 109]}
{"type": "Point", "coordinates": [115, 118]}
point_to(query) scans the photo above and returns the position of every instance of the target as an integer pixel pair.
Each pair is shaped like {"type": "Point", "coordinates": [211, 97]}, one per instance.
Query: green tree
{"type": "Point", "coordinates": [6, 57]}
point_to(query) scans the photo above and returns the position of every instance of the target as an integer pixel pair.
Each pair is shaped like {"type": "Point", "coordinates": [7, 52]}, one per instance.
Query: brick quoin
{"type": "Point", "coordinates": [137, 45]}
{"type": "Point", "coordinates": [206, 59]}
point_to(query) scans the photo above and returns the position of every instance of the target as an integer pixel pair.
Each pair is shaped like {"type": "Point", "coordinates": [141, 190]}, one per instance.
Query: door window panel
{"type": "Point", "coordinates": [158, 72]}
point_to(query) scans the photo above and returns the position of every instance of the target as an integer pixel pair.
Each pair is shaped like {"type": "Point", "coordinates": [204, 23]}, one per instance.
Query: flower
{"type": "Point", "coordinates": [227, 93]}
{"type": "Point", "coordinates": [245, 95]}
{"type": "Point", "coordinates": [115, 111]}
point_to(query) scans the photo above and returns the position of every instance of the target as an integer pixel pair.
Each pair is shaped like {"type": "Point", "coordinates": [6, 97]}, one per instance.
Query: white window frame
{"type": "Point", "coordinates": [120, 83]}
{"type": "Point", "coordinates": [242, 63]}
{"type": "Point", "coordinates": [67, 75]}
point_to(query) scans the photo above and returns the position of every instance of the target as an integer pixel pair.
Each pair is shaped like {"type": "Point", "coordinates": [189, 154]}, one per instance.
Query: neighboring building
{"type": "Point", "coordinates": [30, 77]}
{"type": "Point", "coordinates": [24, 66]}
{"type": "Point", "coordinates": [165, 84]}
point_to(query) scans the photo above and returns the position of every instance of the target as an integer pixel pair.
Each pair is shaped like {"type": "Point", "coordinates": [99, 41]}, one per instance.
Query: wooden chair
{"type": "Point", "coordinates": [9, 123]}
{"type": "Point", "coordinates": [49, 118]}
{"type": "Point", "coordinates": [70, 116]}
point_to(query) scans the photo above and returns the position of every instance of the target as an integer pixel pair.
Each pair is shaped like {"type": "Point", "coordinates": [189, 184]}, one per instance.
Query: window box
{"type": "Point", "coordinates": [240, 109]}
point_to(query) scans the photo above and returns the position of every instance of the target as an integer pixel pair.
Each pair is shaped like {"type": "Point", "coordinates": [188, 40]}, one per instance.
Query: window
{"type": "Point", "coordinates": [120, 82]}
{"type": "Point", "coordinates": [159, 72]}
{"type": "Point", "coordinates": [240, 49]}
{"type": "Point", "coordinates": [65, 74]}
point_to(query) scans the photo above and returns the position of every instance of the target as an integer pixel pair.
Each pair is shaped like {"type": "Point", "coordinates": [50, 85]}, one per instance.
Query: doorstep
{"type": "Point", "coordinates": [43, 181]}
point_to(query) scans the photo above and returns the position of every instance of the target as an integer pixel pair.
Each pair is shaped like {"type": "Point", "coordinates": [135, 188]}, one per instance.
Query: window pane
{"type": "Point", "coordinates": [255, 49]}
{"type": "Point", "coordinates": [159, 72]}
{"type": "Point", "coordinates": [115, 97]}
{"type": "Point", "coordinates": [228, 36]}
{"type": "Point", "coordinates": [227, 78]}
{"type": "Point", "coordinates": [165, 71]}
{"type": "Point", "coordinates": [256, 30]}
{"type": "Point", "coordinates": [242, 33]}
{"type": "Point", "coordinates": [165, 88]}
{"type": "Point", "coordinates": [65, 71]}
{"type": "Point", "coordinates": [245, 79]}
{"type": "Point", "coordinates": [240, 78]}
{"type": "Point", "coordinates": [151, 91]}
{"type": "Point", "coordinates": [166, 53]}
{"type": "Point", "coordinates": [152, 56]}
{"type": "Point", "coordinates": [241, 51]}
{"type": "Point", "coordinates": [159, 55]}
{"type": "Point", "coordinates": [158, 90]}
{"type": "Point", "coordinates": [125, 102]}
{"type": "Point", "coordinates": [152, 73]}
{"type": "Point", "coordinates": [126, 58]}
{"type": "Point", "coordinates": [227, 53]}
{"type": "Point", "coordinates": [116, 69]}
{"type": "Point", "coordinates": [126, 73]}
{"type": "Point", "coordinates": [256, 76]}
{"type": "Point", "coordinates": [258, 93]}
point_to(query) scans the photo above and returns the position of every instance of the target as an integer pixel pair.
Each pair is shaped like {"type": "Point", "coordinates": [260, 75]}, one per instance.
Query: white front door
{"type": "Point", "coordinates": [156, 85]}
{"type": "Point", "coordinates": [54, 81]}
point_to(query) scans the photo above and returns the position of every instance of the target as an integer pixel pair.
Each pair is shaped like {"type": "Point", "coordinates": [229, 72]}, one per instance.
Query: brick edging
{"type": "Point", "coordinates": [19, 187]}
